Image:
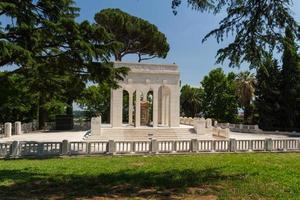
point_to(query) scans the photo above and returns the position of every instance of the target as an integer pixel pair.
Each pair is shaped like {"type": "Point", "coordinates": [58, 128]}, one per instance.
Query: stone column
{"type": "Point", "coordinates": [155, 108]}
{"type": "Point", "coordinates": [130, 116]}
{"type": "Point", "coordinates": [116, 107]}
{"type": "Point", "coordinates": [138, 109]}
{"type": "Point", "coordinates": [18, 128]}
{"type": "Point", "coordinates": [174, 106]}
{"type": "Point", "coordinates": [65, 147]}
{"type": "Point", "coordinates": [167, 110]}
{"type": "Point", "coordinates": [7, 129]}
{"type": "Point", "coordinates": [163, 98]}
{"type": "Point", "coordinates": [96, 126]}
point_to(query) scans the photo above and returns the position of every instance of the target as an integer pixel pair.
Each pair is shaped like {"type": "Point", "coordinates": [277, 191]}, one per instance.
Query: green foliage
{"type": "Point", "coordinates": [32, 29]}
{"type": "Point", "coordinates": [278, 91]}
{"type": "Point", "coordinates": [290, 83]}
{"type": "Point", "coordinates": [257, 26]}
{"type": "Point", "coordinates": [132, 35]}
{"type": "Point", "coordinates": [267, 92]}
{"type": "Point", "coordinates": [55, 54]}
{"type": "Point", "coordinates": [16, 103]}
{"type": "Point", "coordinates": [95, 100]}
{"type": "Point", "coordinates": [191, 101]}
{"type": "Point", "coordinates": [213, 176]}
{"type": "Point", "coordinates": [219, 99]}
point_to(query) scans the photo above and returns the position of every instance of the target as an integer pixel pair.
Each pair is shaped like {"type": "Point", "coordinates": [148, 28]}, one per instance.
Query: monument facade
{"type": "Point", "coordinates": [153, 96]}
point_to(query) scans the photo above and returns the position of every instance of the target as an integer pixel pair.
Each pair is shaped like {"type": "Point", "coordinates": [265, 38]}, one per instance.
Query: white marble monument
{"type": "Point", "coordinates": [161, 80]}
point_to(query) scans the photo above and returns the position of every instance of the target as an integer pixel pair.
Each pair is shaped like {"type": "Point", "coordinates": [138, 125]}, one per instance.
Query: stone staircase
{"type": "Point", "coordinates": [144, 134]}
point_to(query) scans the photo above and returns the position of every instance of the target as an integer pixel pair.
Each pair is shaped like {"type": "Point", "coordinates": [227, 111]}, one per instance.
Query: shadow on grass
{"type": "Point", "coordinates": [122, 184]}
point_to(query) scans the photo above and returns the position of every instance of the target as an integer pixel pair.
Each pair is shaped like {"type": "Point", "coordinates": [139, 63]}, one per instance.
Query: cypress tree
{"type": "Point", "coordinates": [267, 92]}
{"type": "Point", "coordinates": [290, 83]}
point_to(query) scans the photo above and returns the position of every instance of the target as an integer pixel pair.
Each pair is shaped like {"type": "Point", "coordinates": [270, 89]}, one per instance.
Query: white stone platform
{"type": "Point", "coordinates": [49, 136]}
{"type": "Point", "coordinates": [146, 133]}
{"type": "Point", "coordinates": [184, 132]}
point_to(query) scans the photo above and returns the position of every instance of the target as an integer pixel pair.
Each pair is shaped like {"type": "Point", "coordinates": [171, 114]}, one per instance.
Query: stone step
{"type": "Point", "coordinates": [135, 134]}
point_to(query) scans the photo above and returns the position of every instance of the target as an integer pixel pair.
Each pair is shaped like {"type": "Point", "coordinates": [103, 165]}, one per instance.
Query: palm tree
{"type": "Point", "coordinates": [191, 100]}
{"type": "Point", "coordinates": [245, 92]}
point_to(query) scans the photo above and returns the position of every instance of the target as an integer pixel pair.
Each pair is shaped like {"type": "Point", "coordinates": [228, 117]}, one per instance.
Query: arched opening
{"type": "Point", "coordinates": [134, 107]}
{"type": "Point", "coordinates": [125, 111]}
{"type": "Point", "coordinates": [150, 108]}
{"type": "Point", "coordinates": [164, 106]}
{"type": "Point", "coordinates": [144, 115]}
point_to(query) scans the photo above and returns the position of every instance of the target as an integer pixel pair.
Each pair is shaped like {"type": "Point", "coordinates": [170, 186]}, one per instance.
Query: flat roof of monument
{"type": "Point", "coordinates": [149, 67]}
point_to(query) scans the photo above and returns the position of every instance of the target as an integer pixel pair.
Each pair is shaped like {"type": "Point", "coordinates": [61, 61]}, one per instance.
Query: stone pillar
{"type": "Point", "coordinates": [18, 128]}
{"type": "Point", "coordinates": [65, 147]}
{"type": "Point", "coordinates": [116, 105]}
{"type": "Point", "coordinates": [199, 126]}
{"type": "Point", "coordinates": [14, 150]}
{"type": "Point", "coordinates": [241, 126]}
{"type": "Point", "coordinates": [7, 129]}
{"type": "Point", "coordinates": [268, 144]}
{"type": "Point", "coordinates": [167, 110]}
{"type": "Point", "coordinates": [174, 106]}
{"type": "Point", "coordinates": [138, 109]}
{"type": "Point", "coordinates": [215, 123]}
{"type": "Point", "coordinates": [130, 115]}
{"type": "Point", "coordinates": [163, 98]}
{"type": "Point", "coordinates": [194, 145]}
{"type": "Point", "coordinates": [232, 145]}
{"type": "Point", "coordinates": [208, 123]}
{"type": "Point", "coordinates": [111, 147]}
{"type": "Point", "coordinates": [96, 125]}
{"type": "Point", "coordinates": [154, 146]}
{"type": "Point", "coordinates": [155, 108]}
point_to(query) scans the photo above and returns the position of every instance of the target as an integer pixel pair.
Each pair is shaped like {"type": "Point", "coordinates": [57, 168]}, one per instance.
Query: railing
{"type": "Point", "coordinates": [5, 149]}
{"type": "Point", "coordinates": [17, 149]}
{"type": "Point", "coordinates": [33, 126]}
{"type": "Point", "coordinates": [240, 127]}
{"type": "Point", "coordinates": [39, 148]}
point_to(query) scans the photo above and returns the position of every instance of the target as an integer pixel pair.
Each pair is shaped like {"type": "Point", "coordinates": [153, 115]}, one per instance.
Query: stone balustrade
{"type": "Point", "coordinates": [220, 132]}
{"type": "Point", "coordinates": [18, 149]}
{"type": "Point", "coordinates": [200, 124]}
{"type": "Point", "coordinates": [209, 124]}
{"type": "Point", "coordinates": [17, 128]}
{"type": "Point", "coordinates": [240, 127]}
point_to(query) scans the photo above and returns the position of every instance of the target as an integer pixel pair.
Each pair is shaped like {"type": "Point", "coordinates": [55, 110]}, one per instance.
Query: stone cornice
{"type": "Point", "coordinates": [149, 68]}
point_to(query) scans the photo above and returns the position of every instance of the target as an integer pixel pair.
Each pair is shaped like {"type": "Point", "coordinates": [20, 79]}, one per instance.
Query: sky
{"type": "Point", "coordinates": [183, 31]}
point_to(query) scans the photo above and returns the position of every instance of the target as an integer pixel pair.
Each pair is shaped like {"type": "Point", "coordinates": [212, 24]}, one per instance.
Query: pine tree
{"type": "Point", "coordinates": [267, 92]}
{"type": "Point", "coordinates": [290, 83]}
{"type": "Point", "coordinates": [51, 49]}
{"type": "Point", "coordinates": [256, 25]}
{"type": "Point", "coordinates": [132, 35]}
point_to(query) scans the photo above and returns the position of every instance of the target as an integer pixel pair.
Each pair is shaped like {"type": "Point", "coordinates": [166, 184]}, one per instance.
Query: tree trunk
{"type": "Point", "coordinates": [118, 57]}
{"type": "Point", "coordinates": [246, 114]}
{"type": "Point", "coordinates": [69, 110]}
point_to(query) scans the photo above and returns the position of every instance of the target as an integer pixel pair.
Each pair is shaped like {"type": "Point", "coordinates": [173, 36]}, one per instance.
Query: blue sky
{"type": "Point", "coordinates": [184, 32]}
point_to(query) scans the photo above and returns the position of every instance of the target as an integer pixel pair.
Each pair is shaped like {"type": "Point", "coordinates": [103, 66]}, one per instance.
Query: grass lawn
{"type": "Point", "coordinates": [204, 176]}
